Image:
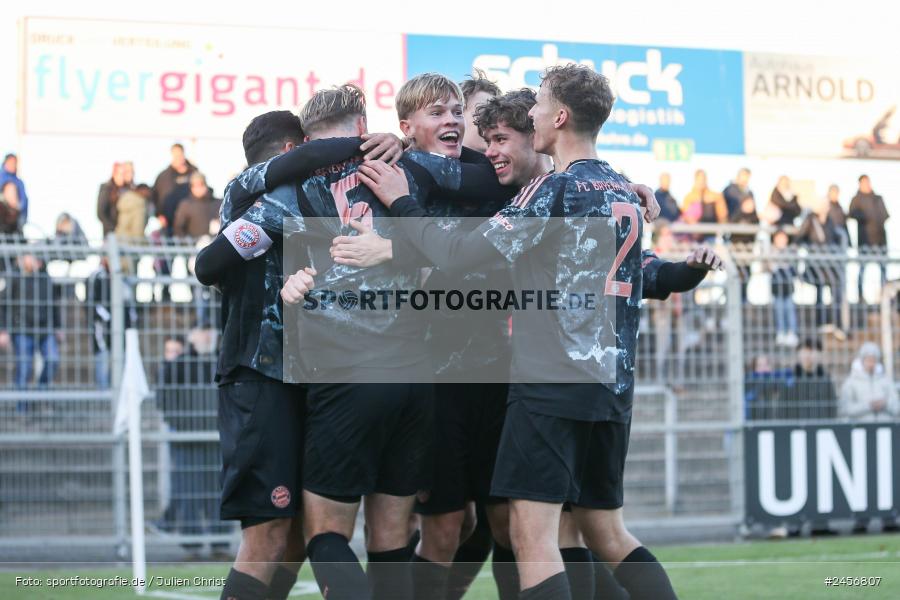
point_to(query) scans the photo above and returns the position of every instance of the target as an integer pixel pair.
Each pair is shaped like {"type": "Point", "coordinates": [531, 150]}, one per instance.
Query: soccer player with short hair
{"type": "Point", "coordinates": [476, 89]}
{"type": "Point", "coordinates": [563, 441]}
{"type": "Point", "coordinates": [261, 413]}
{"type": "Point", "coordinates": [370, 414]}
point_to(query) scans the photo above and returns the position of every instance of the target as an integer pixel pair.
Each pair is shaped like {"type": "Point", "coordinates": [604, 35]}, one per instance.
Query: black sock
{"type": "Point", "coordinates": [388, 574]}
{"type": "Point", "coordinates": [643, 577]}
{"type": "Point", "coordinates": [411, 546]}
{"type": "Point", "coordinates": [605, 585]}
{"type": "Point", "coordinates": [337, 570]}
{"type": "Point", "coordinates": [552, 588]}
{"type": "Point", "coordinates": [429, 579]}
{"type": "Point", "coordinates": [282, 582]}
{"type": "Point", "coordinates": [580, 571]}
{"type": "Point", "coordinates": [240, 586]}
{"type": "Point", "coordinates": [467, 562]}
{"type": "Point", "coordinates": [506, 573]}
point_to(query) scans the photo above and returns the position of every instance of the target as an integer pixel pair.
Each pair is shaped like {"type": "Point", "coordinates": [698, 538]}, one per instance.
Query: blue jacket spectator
{"type": "Point", "coordinates": [668, 205]}
{"type": "Point", "coordinates": [8, 173]}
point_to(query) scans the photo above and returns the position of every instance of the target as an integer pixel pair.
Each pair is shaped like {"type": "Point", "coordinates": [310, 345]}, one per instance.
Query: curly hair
{"type": "Point", "coordinates": [510, 109]}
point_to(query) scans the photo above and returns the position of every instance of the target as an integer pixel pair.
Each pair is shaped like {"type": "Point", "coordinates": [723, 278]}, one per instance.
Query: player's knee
{"type": "Point", "coordinates": [268, 541]}
{"type": "Point", "coordinates": [442, 532]}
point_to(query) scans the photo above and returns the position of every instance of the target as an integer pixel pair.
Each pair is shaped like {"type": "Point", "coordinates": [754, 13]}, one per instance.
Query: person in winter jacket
{"type": "Point", "coordinates": [9, 173]}
{"type": "Point", "coordinates": [870, 213]}
{"type": "Point", "coordinates": [868, 394]}
{"type": "Point", "coordinates": [783, 202]}
{"type": "Point", "coordinates": [30, 319]}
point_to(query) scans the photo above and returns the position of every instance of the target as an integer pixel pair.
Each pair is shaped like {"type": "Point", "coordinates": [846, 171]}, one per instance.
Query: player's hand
{"type": "Point", "coordinates": [382, 146]}
{"type": "Point", "coordinates": [364, 250]}
{"type": "Point", "coordinates": [648, 201]}
{"type": "Point", "coordinates": [60, 337]}
{"type": "Point", "coordinates": [388, 183]}
{"type": "Point", "coordinates": [5, 342]}
{"type": "Point", "coordinates": [704, 258]}
{"type": "Point", "coordinates": [298, 285]}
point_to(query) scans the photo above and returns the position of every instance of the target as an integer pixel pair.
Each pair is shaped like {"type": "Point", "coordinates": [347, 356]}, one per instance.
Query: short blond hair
{"type": "Point", "coordinates": [330, 107]}
{"type": "Point", "coordinates": [424, 90]}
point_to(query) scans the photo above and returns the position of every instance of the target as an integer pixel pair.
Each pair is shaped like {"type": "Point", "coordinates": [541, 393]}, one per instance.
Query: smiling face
{"type": "Point", "coordinates": [438, 127]}
{"type": "Point", "coordinates": [512, 154]}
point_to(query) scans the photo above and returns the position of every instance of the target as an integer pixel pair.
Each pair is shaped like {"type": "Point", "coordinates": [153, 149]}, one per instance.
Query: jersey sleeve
{"type": "Point", "coordinates": [303, 160]}
{"type": "Point", "coordinates": [528, 218]}
{"type": "Point", "coordinates": [277, 212]}
{"type": "Point", "coordinates": [650, 265]}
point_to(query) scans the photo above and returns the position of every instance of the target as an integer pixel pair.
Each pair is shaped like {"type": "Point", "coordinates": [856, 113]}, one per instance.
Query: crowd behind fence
{"type": "Point", "coordinates": [708, 362]}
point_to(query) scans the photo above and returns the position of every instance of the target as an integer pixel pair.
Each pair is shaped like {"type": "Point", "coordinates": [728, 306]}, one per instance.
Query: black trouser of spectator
{"type": "Point", "coordinates": [194, 504]}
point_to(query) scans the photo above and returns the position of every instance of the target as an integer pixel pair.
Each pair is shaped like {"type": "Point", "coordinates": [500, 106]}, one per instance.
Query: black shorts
{"type": "Point", "coordinates": [261, 426]}
{"type": "Point", "coordinates": [368, 438]}
{"type": "Point", "coordinates": [552, 459]}
{"type": "Point", "coordinates": [468, 423]}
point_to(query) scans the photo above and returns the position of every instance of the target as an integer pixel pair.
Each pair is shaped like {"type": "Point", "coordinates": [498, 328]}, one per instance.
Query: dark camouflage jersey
{"type": "Point", "coordinates": [251, 302]}
{"type": "Point", "coordinates": [456, 194]}
{"type": "Point", "coordinates": [578, 232]}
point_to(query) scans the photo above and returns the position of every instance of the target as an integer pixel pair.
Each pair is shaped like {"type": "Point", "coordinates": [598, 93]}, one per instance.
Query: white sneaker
{"type": "Point", "coordinates": [779, 339]}
{"type": "Point", "coordinates": [791, 339]}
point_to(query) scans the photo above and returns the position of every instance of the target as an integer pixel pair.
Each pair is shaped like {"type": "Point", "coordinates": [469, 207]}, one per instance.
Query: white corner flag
{"type": "Point", "coordinates": [128, 417]}
{"type": "Point", "coordinates": [134, 383]}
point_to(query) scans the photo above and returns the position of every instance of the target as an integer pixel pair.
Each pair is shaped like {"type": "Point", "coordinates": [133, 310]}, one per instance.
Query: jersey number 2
{"type": "Point", "coordinates": [621, 210]}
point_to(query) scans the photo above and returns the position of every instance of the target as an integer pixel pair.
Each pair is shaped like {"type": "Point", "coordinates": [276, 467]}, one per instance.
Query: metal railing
{"type": "Point", "coordinates": [63, 472]}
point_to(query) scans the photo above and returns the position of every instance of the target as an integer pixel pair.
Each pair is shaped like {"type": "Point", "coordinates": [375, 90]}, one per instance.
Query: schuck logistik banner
{"type": "Point", "coordinates": [663, 94]}
{"type": "Point", "coordinates": [817, 106]}
{"type": "Point", "coordinates": [98, 77]}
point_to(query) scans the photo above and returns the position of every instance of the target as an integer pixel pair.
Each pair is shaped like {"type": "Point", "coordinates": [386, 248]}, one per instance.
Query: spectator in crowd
{"type": "Point", "coordinates": [10, 209]}
{"type": "Point", "coordinates": [837, 215]}
{"type": "Point", "coordinates": [764, 390]}
{"type": "Point", "coordinates": [738, 191]}
{"type": "Point", "coordinates": [30, 317]}
{"type": "Point", "coordinates": [198, 214]}
{"type": "Point", "coordinates": [668, 205]}
{"type": "Point", "coordinates": [172, 177]}
{"type": "Point", "coordinates": [132, 217]}
{"type": "Point", "coordinates": [811, 393]}
{"type": "Point", "coordinates": [745, 215]}
{"type": "Point", "coordinates": [783, 207]}
{"type": "Point", "coordinates": [703, 205]}
{"type": "Point", "coordinates": [108, 197]}
{"type": "Point", "coordinates": [9, 173]}
{"type": "Point", "coordinates": [869, 395]}
{"type": "Point", "coordinates": [68, 230]}
{"type": "Point", "coordinates": [783, 273]}
{"type": "Point", "coordinates": [868, 210]}
{"type": "Point", "coordinates": [98, 304]}
{"type": "Point", "coordinates": [187, 399]}
{"type": "Point", "coordinates": [821, 235]}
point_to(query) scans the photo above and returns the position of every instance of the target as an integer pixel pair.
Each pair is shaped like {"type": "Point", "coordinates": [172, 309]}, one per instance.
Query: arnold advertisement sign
{"type": "Point", "coordinates": [807, 473]}
{"type": "Point", "coordinates": [692, 97]}
{"type": "Point", "coordinates": [817, 106]}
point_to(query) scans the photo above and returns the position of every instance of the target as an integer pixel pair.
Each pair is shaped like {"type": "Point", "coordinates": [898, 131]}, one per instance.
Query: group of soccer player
{"type": "Point", "coordinates": [458, 439]}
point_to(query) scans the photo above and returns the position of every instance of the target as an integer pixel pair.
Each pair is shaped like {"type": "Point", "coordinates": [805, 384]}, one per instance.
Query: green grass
{"type": "Point", "coordinates": [752, 570]}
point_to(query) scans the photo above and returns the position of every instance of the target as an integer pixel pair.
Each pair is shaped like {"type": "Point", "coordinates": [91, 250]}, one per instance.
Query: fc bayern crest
{"type": "Point", "coordinates": [281, 497]}
{"type": "Point", "coordinates": [246, 235]}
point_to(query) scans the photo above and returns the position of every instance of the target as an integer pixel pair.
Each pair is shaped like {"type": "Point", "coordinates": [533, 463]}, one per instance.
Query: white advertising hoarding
{"type": "Point", "coordinates": [821, 107]}
{"type": "Point", "coordinates": [123, 78]}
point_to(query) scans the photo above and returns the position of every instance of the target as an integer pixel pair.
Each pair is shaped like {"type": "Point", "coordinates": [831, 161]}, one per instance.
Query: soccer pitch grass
{"type": "Point", "coordinates": [760, 569]}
